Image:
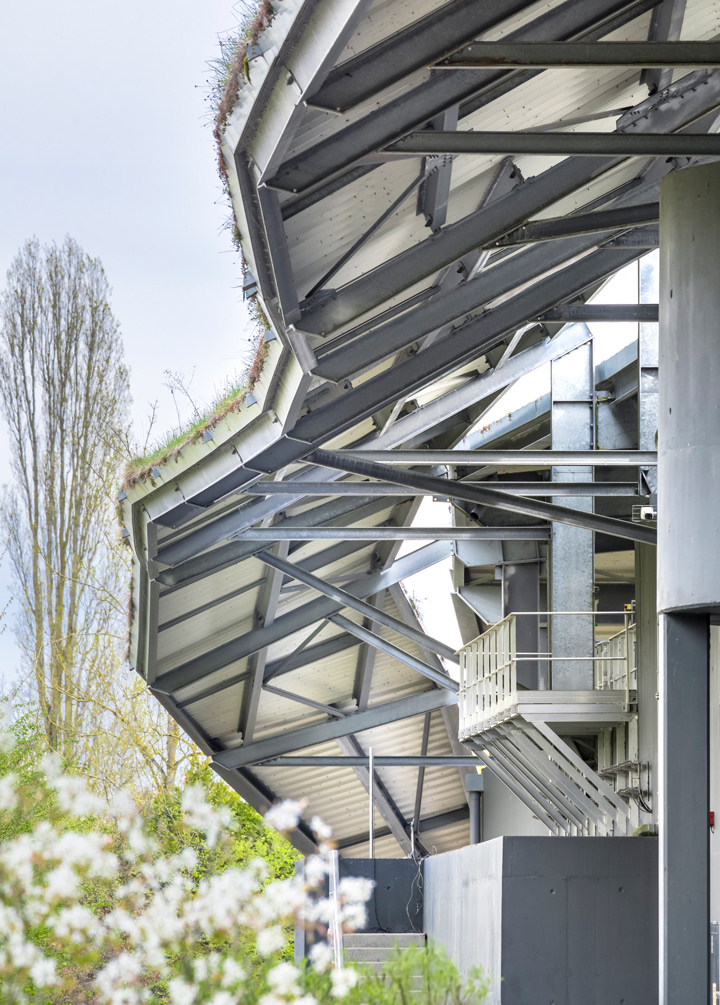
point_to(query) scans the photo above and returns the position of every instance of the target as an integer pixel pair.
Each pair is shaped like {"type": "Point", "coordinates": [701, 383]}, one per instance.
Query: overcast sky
{"type": "Point", "coordinates": [104, 132]}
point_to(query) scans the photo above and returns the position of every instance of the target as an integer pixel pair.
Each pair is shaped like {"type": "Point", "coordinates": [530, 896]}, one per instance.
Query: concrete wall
{"type": "Point", "coordinates": [571, 921]}
{"type": "Point", "coordinates": [463, 907]}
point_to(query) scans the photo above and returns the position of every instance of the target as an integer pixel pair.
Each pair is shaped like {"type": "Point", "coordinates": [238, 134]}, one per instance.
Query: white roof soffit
{"type": "Point", "coordinates": [395, 287]}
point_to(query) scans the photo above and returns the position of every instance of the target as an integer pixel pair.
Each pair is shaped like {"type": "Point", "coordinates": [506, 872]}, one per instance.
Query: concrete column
{"type": "Point", "coordinates": [572, 550]}
{"type": "Point", "coordinates": [688, 566]}
{"type": "Point", "coordinates": [475, 787]}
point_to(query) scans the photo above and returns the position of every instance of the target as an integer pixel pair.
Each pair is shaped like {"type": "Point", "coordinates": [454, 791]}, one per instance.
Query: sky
{"type": "Point", "coordinates": [105, 136]}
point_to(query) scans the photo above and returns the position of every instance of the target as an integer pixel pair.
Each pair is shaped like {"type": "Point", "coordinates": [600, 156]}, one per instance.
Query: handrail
{"type": "Point", "coordinates": [488, 667]}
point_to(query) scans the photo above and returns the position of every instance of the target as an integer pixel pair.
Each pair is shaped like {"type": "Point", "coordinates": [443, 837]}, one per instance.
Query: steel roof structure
{"type": "Point", "coordinates": [422, 229]}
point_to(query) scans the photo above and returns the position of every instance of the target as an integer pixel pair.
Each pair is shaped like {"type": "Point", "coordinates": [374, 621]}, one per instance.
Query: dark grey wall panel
{"type": "Point", "coordinates": [571, 920]}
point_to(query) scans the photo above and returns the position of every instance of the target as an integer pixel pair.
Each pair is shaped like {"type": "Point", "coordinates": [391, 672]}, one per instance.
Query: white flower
{"type": "Point", "coordinates": [51, 766]}
{"type": "Point", "coordinates": [270, 940]}
{"type": "Point", "coordinates": [342, 980]}
{"type": "Point", "coordinates": [198, 813]}
{"type": "Point", "coordinates": [319, 827]}
{"type": "Point", "coordinates": [321, 956]}
{"type": "Point", "coordinates": [353, 916]}
{"type": "Point", "coordinates": [76, 923]}
{"type": "Point", "coordinates": [284, 816]}
{"type": "Point", "coordinates": [233, 973]}
{"type": "Point", "coordinates": [222, 998]}
{"type": "Point", "coordinates": [74, 797]}
{"type": "Point", "coordinates": [61, 883]}
{"type": "Point", "coordinates": [305, 1000]}
{"type": "Point", "coordinates": [181, 993]}
{"type": "Point", "coordinates": [283, 979]}
{"type": "Point", "coordinates": [7, 740]}
{"type": "Point", "coordinates": [271, 1000]}
{"type": "Point", "coordinates": [42, 972]}
{"type": "Point", "coordinates": [355, 888]}
{"type": "Point", "coordinates": [315, 870]}
{"type": "Point", "coordinates": [8, 795]}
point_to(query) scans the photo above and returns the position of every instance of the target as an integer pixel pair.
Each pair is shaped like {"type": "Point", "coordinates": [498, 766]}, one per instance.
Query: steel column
{"type": "Point", "coordinates": [571, 571]}
{"type": "Point", "coordinates": [684, 850]}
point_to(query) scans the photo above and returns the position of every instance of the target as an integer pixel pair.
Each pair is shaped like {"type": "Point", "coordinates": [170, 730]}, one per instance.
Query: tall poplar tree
{"type": "Point", "coordinates": [63, 388]}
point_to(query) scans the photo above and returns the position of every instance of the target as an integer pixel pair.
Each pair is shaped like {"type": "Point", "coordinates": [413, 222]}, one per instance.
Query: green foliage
{"type": "Point", "coordinates": [251, 838]}
{"type": "Point", "coordinates": [416, 975]}
{"type": "Point", "coordinates": [22, 760]}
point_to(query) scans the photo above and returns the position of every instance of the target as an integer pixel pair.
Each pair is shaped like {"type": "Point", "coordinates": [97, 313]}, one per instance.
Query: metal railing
{"type": "Point", "coordinates": [489, 667]}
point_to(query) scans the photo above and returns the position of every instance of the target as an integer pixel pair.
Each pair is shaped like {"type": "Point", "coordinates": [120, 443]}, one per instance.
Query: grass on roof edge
{"type": "Point", "coordinates": [231, 69]}
{"type": "Point", "coordinates": [141, 468]}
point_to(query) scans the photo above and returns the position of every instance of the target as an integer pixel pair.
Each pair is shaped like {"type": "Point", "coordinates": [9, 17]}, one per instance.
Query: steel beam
{"type": "Point", "coordinates": [366, 661]}
{"type": "Point", "coordinates": [344, 358]}
{"type": "Point", "coordinates": [446, 406]}
{"type": "Point", "coordinates": [683, 103]}
{"type": "Point", "coordinates": [552, 55]}
{"type": "Point", "coordinates": [478, 229]}
{"type": "Point", "coordinates": [296, 620]}
{"type": "Point", "coordinates": [434, 823]}
{"type": "Point", "coordinates": [581, 223]}
{"type": "Point", "coordinates": [383, 802]}
{"type": "Point", "coordinates": [381, 489]}
{"type": "Point", "coordinates": [646, 313]}
{"type": "Point", "coordinates": [665, 25]}
{"type": "Point", "coordinates": [468, 342]}
{"type": "Point", "coordinates": [346, 599]}
{"type": "Point", "coordinates": [474, 493]}
{"type": "Point", "coordinates": [409, 50]}
{"type": "Point", "coordinates": [381, 761]}
{"type": "Point", "coordinates": [420, 104]}
{"type": "Point", "coordinates": [375, 640]}
{"type": "Point", "coordinates": [265, 611]}
{"type": "Point", "coordinates": [309, 736]}
{"type": "Point", "coordinates": [508, 458]}
{"type": "Point", "coordinates": [239, 519]}
{"type": "Point", "coordinates": [643, 237]}
{"type": "Point", "coordinates": [336, 713]}
{"type": "Point", "coordinates": [307, 655]}
{"type": "Point", "coordinates": [408, 533]}
{"type": "Point", "coordinates": [429, 143]}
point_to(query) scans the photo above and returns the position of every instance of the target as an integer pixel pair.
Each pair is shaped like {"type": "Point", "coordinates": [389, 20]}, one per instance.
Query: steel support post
{"type": "Point", "coordinates": [688, 568]}
{"type": "Point", "coordinates": [684, 850]}
{"type": "Point", "coordinates": [571, 553]}
{"type": "Point", "coordinates": [475, 797]}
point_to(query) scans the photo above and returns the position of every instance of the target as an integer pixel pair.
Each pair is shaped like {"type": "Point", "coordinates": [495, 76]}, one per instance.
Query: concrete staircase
{"type": "Point", "coordinates": [373, 949]}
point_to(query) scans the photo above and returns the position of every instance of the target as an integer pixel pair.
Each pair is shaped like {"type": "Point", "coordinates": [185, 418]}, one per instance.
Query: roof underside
{"type": "Point", "coordinates": [392, 305]}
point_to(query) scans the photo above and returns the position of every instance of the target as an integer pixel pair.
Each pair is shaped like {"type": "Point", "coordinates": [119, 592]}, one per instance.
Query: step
{"type": "Point", "coordinates": [370, 954]}
{"type": "Point", "coordinates": [383, 940]}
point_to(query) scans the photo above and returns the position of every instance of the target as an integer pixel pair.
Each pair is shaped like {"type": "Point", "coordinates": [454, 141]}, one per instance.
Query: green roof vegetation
{"type": "Point", "coordinates": [140, 468]}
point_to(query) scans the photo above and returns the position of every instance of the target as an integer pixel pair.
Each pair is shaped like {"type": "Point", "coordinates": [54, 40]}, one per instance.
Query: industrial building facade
{"type": "Point", "coordinates": [482, 376]}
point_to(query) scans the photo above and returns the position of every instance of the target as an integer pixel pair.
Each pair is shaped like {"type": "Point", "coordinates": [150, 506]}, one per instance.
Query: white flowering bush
{"type": "Point", "coordinates": [98, 905]}
{"type": "Point", "coordinates": [92, 910]}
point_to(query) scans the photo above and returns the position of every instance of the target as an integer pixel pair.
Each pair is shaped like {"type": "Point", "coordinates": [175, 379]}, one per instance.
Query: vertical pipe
{"type": "Point", "coordinates": [474, 806]}
{"type": "Point", "coordinates": [371, 793]}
